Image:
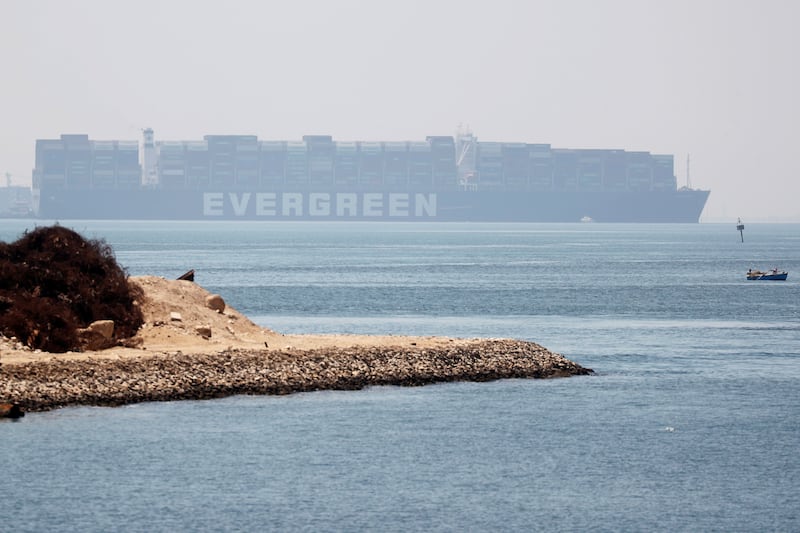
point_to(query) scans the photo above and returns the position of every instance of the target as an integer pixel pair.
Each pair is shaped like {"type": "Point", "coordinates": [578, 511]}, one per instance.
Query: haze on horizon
{"type": "Point", "coordinates": [715, 79]}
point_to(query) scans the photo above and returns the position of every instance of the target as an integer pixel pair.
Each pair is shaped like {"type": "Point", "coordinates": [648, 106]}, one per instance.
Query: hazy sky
{"type": "Point", "coordinates": [716, 79]}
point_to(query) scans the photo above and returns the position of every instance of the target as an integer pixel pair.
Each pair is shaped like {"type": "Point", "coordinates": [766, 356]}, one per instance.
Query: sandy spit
{"type": "Point", "coordinates": [169, 360]}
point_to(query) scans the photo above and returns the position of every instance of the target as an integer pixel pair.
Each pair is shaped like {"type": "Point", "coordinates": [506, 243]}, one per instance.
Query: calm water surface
{"type": "Point", "coordinates": [690, 423]}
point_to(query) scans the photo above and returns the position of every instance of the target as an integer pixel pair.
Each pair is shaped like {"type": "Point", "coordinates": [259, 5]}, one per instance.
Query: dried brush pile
{"type": "Point", "coordinates": [53, 282]}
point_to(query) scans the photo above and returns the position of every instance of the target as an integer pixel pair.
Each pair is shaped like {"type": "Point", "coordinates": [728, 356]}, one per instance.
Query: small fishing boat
{"type": "Point", "coordinates": [770, 275]}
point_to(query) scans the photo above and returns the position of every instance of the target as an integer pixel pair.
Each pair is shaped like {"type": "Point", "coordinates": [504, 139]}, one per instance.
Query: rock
{"type": "Point", "coordinates": [215, 302]}
{"type": "Point", "coordinates": [132, 342]}
{"type": "Point", "coordinates": [103, 327]}
{"type": "Point", "coordinates": [92, 340]}
{"type": "Point", "coordinates": [175, 317]}
{"type": "Point", "coordinates": [10, 410]}
{"type": "Point", "coordinates": [204, 331]}
{"type": "Point", "coordinates": [98, 336]}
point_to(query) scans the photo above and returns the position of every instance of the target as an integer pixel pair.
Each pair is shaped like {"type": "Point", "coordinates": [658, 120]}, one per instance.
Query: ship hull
{"type": "Point", "coordinates": [684, 206]}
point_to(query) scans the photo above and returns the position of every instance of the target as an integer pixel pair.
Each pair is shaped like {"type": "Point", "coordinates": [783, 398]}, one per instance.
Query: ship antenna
{"type": "Point", "coordinates": [688, 177]}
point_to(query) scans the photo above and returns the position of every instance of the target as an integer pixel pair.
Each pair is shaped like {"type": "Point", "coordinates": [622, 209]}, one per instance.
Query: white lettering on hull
{"type": "Point", "coordinates": [398, 205]}
{"type": "Point", "coordinates": [212, 204]}
{"type": "Point", "coordinates": [319, 205]}
{"type": "Point", "coordinates": [347, 205]}
{"type": "Point", "coordinates": [292, 204]}
{"type": "Point", "coordinates": [239, 204]}
{"type": "Point", "coordinates": [266, 204]}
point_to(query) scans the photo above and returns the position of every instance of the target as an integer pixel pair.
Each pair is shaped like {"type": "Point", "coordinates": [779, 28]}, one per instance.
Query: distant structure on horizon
{"type": "Point", "coordinates": [444, 178]}
{"type": "Point", "coordinates": [15, 200]}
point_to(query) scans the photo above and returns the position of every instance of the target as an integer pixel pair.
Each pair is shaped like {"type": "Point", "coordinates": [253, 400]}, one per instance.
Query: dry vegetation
{"type": "Point", "coordinates": [54, 282]}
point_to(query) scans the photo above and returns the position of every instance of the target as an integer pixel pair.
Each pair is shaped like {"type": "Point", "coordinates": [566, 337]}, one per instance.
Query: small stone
{"type": "Point", "coordinates": [103, 327]}
{"type": "Point", "coordinates": [215, 302]}
{"type": "Point", "coordinates": [98, 336]}
{"type": "Point", "coordinates": [175, 316]}
{"type": "Point", "coordinates": [133, 342]}
{"type": "Point", "coordinates": [204, 331]}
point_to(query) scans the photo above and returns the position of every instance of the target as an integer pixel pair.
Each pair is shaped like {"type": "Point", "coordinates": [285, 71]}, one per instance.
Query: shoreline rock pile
{"type": "Point", "coordinates": [55, 383]}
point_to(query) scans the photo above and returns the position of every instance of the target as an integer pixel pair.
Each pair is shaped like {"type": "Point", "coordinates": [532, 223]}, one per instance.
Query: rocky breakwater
{"type": "Point", "coordinates": [53, 382]}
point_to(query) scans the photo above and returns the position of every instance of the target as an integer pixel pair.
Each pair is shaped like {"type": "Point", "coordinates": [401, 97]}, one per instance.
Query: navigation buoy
{"type": "Point", "coordinates": [740, 227]}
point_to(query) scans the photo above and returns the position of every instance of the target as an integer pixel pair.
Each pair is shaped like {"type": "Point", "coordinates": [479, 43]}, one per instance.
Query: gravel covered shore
{"type": "Point", "coordinates": [53, 383]}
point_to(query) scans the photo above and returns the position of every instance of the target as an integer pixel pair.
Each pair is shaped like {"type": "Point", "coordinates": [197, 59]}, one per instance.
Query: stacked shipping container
{"type": "Point", "coordinates": [317, 162]}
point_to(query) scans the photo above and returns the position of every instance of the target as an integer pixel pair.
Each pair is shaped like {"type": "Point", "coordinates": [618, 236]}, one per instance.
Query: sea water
{"type": "Point", "coordinates": [690, 422]}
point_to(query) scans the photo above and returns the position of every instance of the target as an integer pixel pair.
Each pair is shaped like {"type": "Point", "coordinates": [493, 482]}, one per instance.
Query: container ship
{"type": "Point", "coordinates": [441, 178]}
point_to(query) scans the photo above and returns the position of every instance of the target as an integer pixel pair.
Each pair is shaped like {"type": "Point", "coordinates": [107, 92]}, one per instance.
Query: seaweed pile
{"type": "Point", "coordinates": [54, 282]}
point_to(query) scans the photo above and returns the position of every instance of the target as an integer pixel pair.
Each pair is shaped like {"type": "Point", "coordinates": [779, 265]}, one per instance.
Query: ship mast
{"type": "Point", "coordinates": [688, 177]}
{"type": "Point", "coordinates": [466, 144]}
